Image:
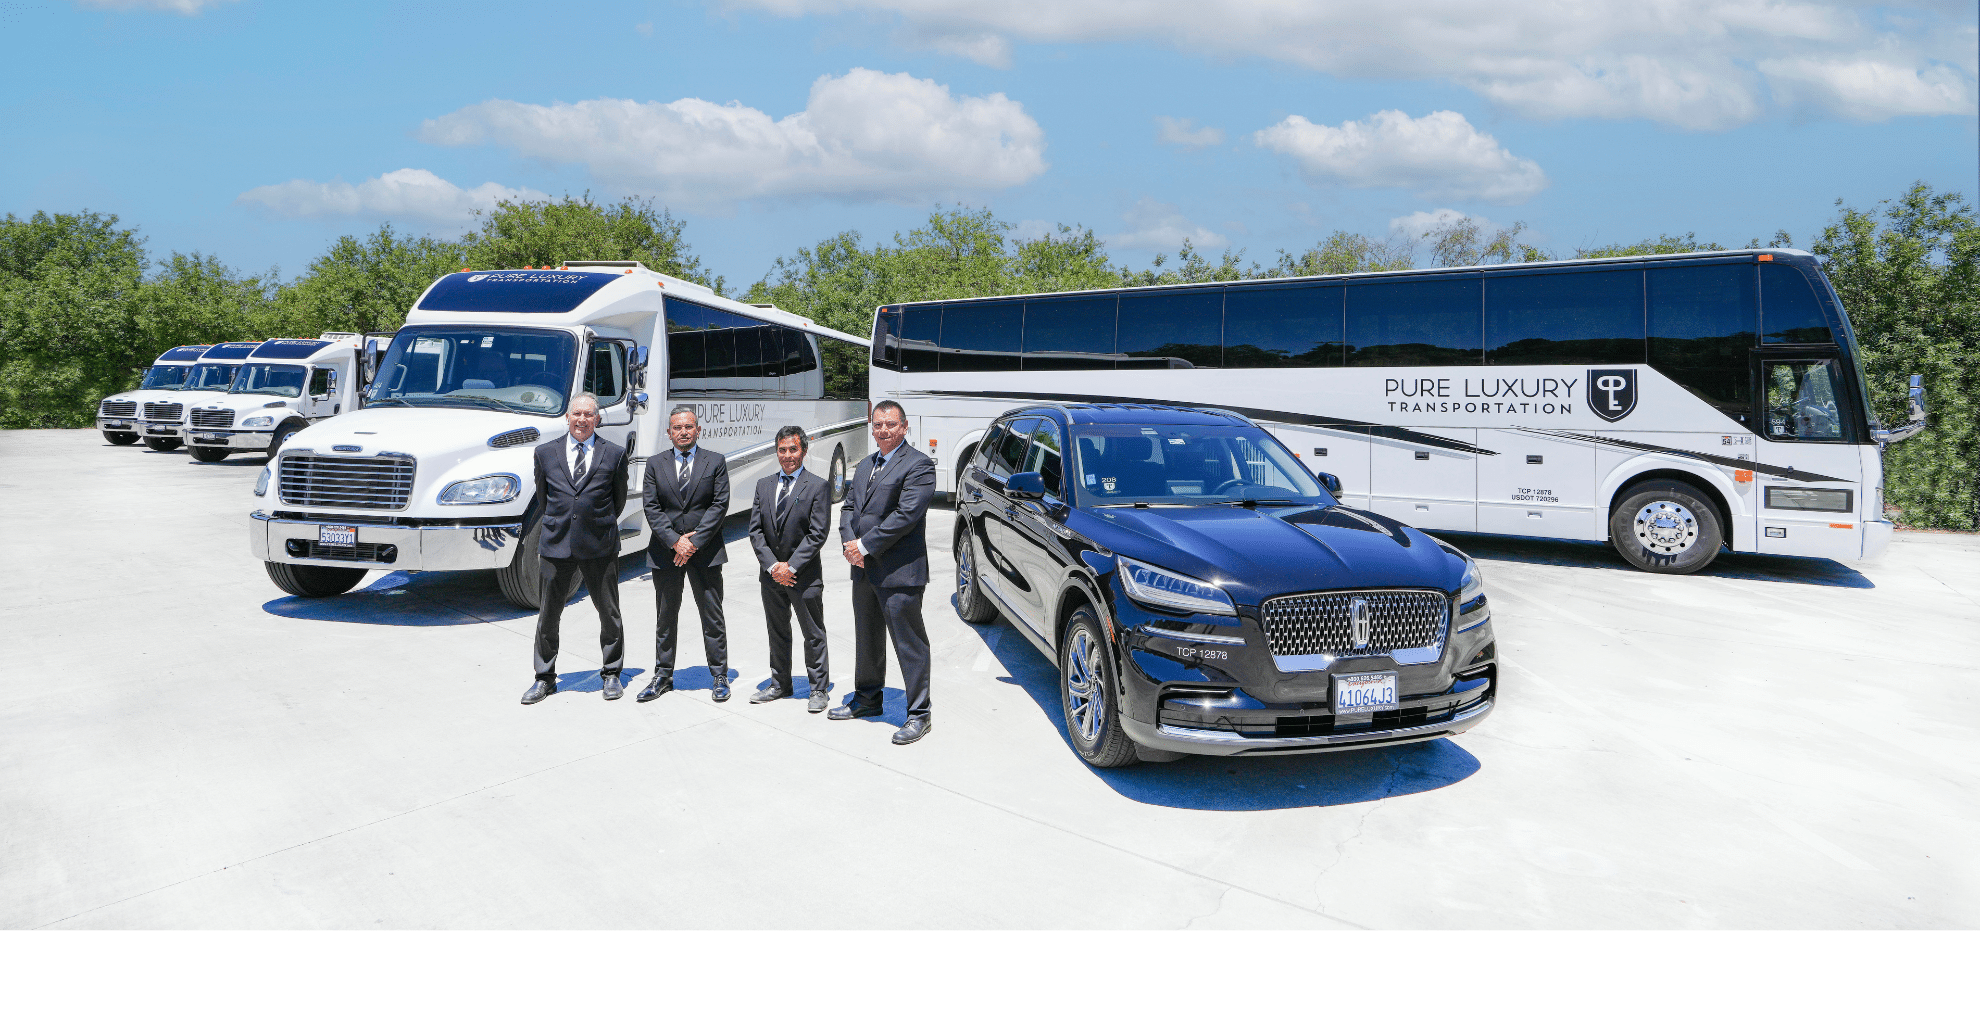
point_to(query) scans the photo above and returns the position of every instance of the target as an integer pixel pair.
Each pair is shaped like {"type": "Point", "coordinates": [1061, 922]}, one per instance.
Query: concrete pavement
{"type": "Point", "coordinates": [1773, 743]}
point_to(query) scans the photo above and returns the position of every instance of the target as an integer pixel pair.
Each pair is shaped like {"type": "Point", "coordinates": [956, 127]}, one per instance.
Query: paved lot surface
{"type": "Point", "coordinates": [1774, 743]}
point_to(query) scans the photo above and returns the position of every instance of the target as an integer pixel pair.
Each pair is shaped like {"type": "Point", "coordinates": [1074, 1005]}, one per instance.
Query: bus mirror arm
{"type": "Point", "coordinates": [1915, 398]}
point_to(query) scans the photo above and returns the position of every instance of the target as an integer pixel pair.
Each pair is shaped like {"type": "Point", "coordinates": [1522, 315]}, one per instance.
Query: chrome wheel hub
{"type": "Point", "coordinates": [1666, 528]}
{"type": "Point", "coordinates": [1084, 690]}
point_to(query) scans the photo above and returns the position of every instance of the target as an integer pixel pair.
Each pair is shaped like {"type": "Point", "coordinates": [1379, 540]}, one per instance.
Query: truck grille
{"type": "Point", "coordinates": [164, 412]}
{"type": "Point", "coordinates": [205, 419]}
{"type": "Point", "coordinates": [1322, 624]}
{"type": "Point", "coordinates": [119, 409]}
{"type": "Point", "coordinates": [358, 483]}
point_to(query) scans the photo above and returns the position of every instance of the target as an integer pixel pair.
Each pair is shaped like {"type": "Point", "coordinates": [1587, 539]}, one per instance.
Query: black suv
{"type": "Point", "coordinates": [1203, 593]}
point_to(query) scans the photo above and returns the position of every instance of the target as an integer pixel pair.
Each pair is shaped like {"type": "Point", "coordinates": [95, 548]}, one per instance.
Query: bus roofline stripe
{"type": "Point", "coordinates": [1709, 458]}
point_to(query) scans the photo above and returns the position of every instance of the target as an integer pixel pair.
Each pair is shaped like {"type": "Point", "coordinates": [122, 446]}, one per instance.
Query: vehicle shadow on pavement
{"type": "Point", "coordinates": [439, 599]}
{"type": "Point", "coordinates": [1204, 783]}
{"type": "Point", "coordinates": [1598, 556]}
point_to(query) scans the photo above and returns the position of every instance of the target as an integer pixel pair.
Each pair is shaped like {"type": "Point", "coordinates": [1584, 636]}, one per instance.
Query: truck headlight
{"type": "Point", "coordinates": [486, 489]}
{"type": "Point", "coordinates": [1170, 590]}
{"type": "Point", "coordinates": [261, 483]}
{"type": "Point", "coordinates": [259, 421]}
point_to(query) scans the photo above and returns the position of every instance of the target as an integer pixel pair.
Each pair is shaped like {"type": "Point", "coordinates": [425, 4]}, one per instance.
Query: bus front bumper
{"type": "Point", "coordinates": [230, 440]}
{"type": "Point", "coordinates": [381, 546]}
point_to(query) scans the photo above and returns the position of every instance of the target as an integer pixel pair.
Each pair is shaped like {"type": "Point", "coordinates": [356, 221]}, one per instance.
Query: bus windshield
{"type": "Point", "coordinates": [165, 377]}
{"type": "Point", "coordinates": [1187, 464]}
{"type": "Point", "coordinates": [501, 368]}
{"type": "Point", "coordinates": [271, 380]}
{"type": "Point", "coordinates": [214, 376]}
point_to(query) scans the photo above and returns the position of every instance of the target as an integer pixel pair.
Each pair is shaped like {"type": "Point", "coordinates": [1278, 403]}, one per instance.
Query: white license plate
{"type": "Point", "coordinates": [336, 534]}
{"type": "Point", "coordinates": [159, 430]}
{"type": "Point", "coordinates": [1361, 693]}
{"type": "Point", "coordinates": [212, 435]}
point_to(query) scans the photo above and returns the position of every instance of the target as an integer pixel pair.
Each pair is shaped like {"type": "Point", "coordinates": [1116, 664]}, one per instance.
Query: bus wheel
{"type": "Point", "coordinates": [305, 581]}
{"type": "Point", "coordinates": [162, 445]}
{"type": "Point", "coordinates": [120, 438]}
{"type": "Point", "coordinates": [1666, 528]}
{"type": "Point", "coordinates": [838, 475]}
{"type": "Point", "coordinates": [209, 454]}
{"type": "Point", "coordinates": [972, 604]}
{"type": "Point", "coordinates": [282, 436]}
{"type": "Point", "coordinates": [522, 580]}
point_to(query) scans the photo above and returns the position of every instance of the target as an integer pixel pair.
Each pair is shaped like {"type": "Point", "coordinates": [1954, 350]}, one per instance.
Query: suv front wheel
{"type": "Point", "coordinates": [1086, 690]}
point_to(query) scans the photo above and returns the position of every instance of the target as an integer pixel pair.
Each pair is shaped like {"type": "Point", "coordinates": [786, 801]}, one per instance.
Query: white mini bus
{"type": "Point", "coordinates": [1675, 405]}
{"type": "Point", "coordinates": [434, 472]}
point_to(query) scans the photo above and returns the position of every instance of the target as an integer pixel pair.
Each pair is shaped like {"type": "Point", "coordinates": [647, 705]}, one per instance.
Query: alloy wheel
{"type": "Point", "coordinates": [1085, 690]}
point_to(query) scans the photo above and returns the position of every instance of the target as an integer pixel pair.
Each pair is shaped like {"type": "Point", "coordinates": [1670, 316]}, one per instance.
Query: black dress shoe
{"type": "Point", "coordinates": [659, 686]}
{"type": "Point", "coordinates": [613, 689]}
{"type": "Point", "coordinates": [848, 711]}
{"type": "Point", "coordinates": [914, 730]}
{"type": "Point", "coordinates": [771, 693]}
{"type": "Point", "coordinates": [540, 690]}
{"type": "Point", "coordinates": [721, 691]}
{"type": "Point", "coordinates": [819, 697]}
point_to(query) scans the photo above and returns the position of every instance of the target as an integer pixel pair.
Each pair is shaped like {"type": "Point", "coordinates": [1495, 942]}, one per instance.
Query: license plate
{"type": "Point", "coordinates": [336, 534]}
{"type": "Point", "coordinates": [212, 435]}
{"type": "Point", "coordinates": [159, 430]}
{"type": "Point", "coordinates": [1361, 693]}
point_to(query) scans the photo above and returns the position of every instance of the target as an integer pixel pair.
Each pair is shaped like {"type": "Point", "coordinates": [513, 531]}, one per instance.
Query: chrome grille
{"type": "Point", "coordinates": [205, 419]}
{"type": "Point", "coordinates": [515, 437]}
{"type": "Point", "coordinates": [1322, 624]}
{"type": "Point", "coordinates": [164, 412]}
{"type": "Point", "coordinates": [361, 483]}
{"type": "Point", "coordinates": [119, 409]}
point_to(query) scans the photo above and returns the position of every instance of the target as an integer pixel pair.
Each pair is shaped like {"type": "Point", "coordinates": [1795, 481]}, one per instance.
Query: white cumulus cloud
{"type": "Point", "coordinates": [402, 194]}
{"type": "Point", "coordinates": [1438, 155]}
{"type": "Point", "coordinates": [1183, 133]}
{"type": "Point", "coordinates": [1419, 223]}
{"type": "Point", "coordinates": [1160, 226]}
{"type": "Point", "coordinates": [865, 135]}
{"type": "Point", "coordinates": [1701, 64]}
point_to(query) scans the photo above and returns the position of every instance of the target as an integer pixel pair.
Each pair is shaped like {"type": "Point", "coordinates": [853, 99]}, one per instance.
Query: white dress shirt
{"type": "Point", "coordinates": [684, 458]}
{"type": "Point", "coordinates": [571, 448]}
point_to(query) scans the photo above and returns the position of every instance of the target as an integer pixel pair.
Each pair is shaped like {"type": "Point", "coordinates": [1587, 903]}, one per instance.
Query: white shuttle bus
{"type": "Point", "coordinates": [119, 416]}
{"type": "Point", "coordinates": [435, 471]}
{"type": "Point", "coordinates": [284, 386]}
{"type": "Point", "coordinates": [1674, 405]}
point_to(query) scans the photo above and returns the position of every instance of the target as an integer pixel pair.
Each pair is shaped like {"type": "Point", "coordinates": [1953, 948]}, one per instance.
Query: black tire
{"type": "Point", "coordinates": [837, 475]}
{"type": "Point", "coordinates": [1087, 692]}
{"type": "Point", "coordinates": [307, 581]}
{"type": "Point", "coordinates": [121, 438]}
{"type": "Point", "coordinates": [163, 445]}
{"type": "Point", "coordinates": [209, 454]}
{"type": "Point", "coordinates": [1666, 528]}
{"type": "Point", "coordinates": [522, 580]}
{"type": "Point", "coordinates": [972, 602]}
{"type": "Point", "coordinates": [282, 436]}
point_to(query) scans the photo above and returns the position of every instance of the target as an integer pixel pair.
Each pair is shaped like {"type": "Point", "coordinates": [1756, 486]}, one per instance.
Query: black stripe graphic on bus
{"type": "Point", "coordinates": [1255, 413]}
{"type": "Point", "coordinates": [1709, 458]}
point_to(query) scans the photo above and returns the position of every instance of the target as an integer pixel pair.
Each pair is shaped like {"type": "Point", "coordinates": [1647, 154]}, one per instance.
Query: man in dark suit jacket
{"type": "Point", "coordinates": [580, 492]}
{"type": "Point", "coordinates": [884, 528]}
{"type": "Point", "coordinates": [789, 526]}
{"type": "Point", "coordinates": [687, 495]}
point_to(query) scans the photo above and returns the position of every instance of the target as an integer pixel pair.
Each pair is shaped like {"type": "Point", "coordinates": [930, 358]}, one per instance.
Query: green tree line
{"type": "Point", "coordinates": [84, 308]}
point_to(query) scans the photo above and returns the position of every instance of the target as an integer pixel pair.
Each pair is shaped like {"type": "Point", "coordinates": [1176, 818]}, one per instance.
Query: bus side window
{"type": "Point", "coordinates": [1177, 329]}
{"type": "Point", "coordinates": [1788, 310]}
{"type": "Point", "coordinates": [920, 339]}
{"type": "Point", "coordinates": [1571, 318]}
{"type": "Point", "coordinates": [982, 336]}
{"type": "Point", "coordinates": [846, 370]}
{"type": "Point", "coordinates": [1701, 326]}
{"type": "Point", "coordinates": [1415, 323]}
{"type": "Point", "coordinates": [1282, 327]}
{"type": "Point", "coordinates": [1067, 334]}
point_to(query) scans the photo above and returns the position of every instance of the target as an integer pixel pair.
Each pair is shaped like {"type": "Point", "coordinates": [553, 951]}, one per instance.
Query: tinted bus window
{"type": "Point", "coordinates": [921, 332]}
{"type": "Point", "coordinates": [1421, 322]}
{"type": "Point", "coordinates": [798, 357]}
{"type": "Point", "coordinates": [845, 369]}
{"type": "Point", "coordinates": [1788, 309]}
{"type": "Point", "coordinates": [982, 336]}
{"type": "Point", "coordinates": [1564, 318]}
{"type": "Point", "coordinates": [1069, 333]}
{"type": "Point", "coordinates": [1178, 329]}
{"type": "Point", "coordinates": [1273, 327]}
{"type": "Point", "coordinates": [1701, 325]}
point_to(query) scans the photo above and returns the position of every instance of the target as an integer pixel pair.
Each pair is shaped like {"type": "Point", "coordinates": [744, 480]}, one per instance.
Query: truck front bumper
{"type": "Point", "coordinates": [230, 440]}
{"type": "Point", "coordinates": [382, 546]}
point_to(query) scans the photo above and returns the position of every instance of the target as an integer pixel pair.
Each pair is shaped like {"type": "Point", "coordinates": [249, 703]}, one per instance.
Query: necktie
{"type": "Point", "coordinates": [683, 462]}
{"type": "Point", "coordinates": [577, 473]}
{"type": "Point", "coordinates": [783, 490]}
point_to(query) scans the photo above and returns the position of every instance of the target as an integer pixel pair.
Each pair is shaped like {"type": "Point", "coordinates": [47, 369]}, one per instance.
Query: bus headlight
{"type": "Point", "coordinates": [261, 483]}
{"type": "Point", "coordinates": [1170, 590]}
{"type": "Point", "coordinates": [486, 489]}
{"type": "Point", "coordinates": [259, 421]}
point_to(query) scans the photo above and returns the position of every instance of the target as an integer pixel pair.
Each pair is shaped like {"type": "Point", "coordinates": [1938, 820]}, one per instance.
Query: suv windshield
{"type": "Point", "coordinates": [272, 380]}
{"type": "Point", "coordinates": [499, 368]}
{"type": "Point", "coordinates": [213, 376]}
{"type": "Point", "coordinates": [1187, 464]}
{"type": "Point", "coordinates": [165, 377]}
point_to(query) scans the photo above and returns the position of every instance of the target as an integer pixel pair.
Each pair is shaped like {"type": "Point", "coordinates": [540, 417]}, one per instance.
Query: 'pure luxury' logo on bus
{"type": "Point", "coordinates": [1612, 392]}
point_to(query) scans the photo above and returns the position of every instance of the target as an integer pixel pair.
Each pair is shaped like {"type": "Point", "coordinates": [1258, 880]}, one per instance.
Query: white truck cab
{"type": "Point", "coordinates": [435, 471]}
{"type": "Point", "coordinates": [121, 416]}
{"type": "Point", "coordinates": [213, 373]}
{"type": "Point", "coordinates": [285, 386]}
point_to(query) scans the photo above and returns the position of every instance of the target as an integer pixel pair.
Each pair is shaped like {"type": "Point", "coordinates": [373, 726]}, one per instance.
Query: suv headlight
{"type": "Point", "coordinates": [1170, 590]}
{"type": "Point", "coordinates": [261, 483]}
{"type": "Point", "coordinates": [258, 421]}
{"type": "Point", "coordinates": [1473, 584]}
{"type": "Point", "coordinates": [486, 489]}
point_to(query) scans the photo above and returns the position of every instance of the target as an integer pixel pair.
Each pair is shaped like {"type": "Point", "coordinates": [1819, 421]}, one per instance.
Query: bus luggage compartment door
{"type": "Point", "coordinates": [1536, 486]}
{"type": "Point", "coordinates": [1424, 485]}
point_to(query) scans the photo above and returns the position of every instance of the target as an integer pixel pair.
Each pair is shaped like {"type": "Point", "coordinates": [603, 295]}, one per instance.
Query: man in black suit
{"type": "Point", "coordinates": [687, 495]}
{"type": "Point", "coordinates": [788, 528]}
{"type": "Point", "coordinates": [884, 528]}
{"type": "Point", "coordinates": [580, 492]}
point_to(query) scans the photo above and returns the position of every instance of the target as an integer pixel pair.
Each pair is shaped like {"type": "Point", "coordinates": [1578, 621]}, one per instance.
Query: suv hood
{"type": "Point", "coordinates": [1256, 554]}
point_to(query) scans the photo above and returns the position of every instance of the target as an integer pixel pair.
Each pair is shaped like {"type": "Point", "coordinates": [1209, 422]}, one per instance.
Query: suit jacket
{"type": "Point", "coordinates": [580, 517]}
{"type": "Point", "coordinates": [697, 509]}
{"type": "Point", "coordinates": [807, 526]}
{"type": "Point", "coordinates": [887, 512]}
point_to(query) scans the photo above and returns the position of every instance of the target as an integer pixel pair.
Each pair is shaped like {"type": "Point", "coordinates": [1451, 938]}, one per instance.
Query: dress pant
{"type": "Point", "coordinates": [877, 614]}
{"type": "Point", "coordinates": [805, 600]}
{"type": "Point", "coordinates": [560, 577]}
{"type": "Point", "coordinates": [706, 583]}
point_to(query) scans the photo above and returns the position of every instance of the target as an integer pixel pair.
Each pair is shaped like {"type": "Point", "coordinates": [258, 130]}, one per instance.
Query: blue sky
{"type": "Point", "coordinates": [259, 131]}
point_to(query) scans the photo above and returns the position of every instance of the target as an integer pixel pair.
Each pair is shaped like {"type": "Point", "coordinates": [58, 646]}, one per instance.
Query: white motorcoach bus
{"type": "Point", "coordinates": [1676, 404]}
{"type": "Point", "coordinates": [435, 471]}
{"type": "Point", "coordinates": [121, 416]}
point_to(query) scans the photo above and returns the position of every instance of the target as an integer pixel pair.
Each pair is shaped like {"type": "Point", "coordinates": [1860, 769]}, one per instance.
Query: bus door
{"type": "Point", "coordinates": [321, 394]}
{"type": "Point", "coordinates": [1535, 485]}
{"type": "Point", "coordinates": [1804, 423]}
{"type": "Point", "coordinates": [1425, 485]}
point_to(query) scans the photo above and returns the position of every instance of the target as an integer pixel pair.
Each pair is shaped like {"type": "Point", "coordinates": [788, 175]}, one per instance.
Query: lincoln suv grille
{"type": "Point", "coordinates": [164, 412]}
{"type": "Point", "coordinates": [119, 409]}
{"type": "Point", "coordinates": [1323, 623]}
{"type": "Point", "coordinates": [359, 483]}
{"type": "Point", "coordinates": [205, 419]}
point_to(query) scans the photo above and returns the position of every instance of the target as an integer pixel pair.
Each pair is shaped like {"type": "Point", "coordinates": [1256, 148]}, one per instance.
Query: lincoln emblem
{"type": "Point", "coordinates": [1361, 623]}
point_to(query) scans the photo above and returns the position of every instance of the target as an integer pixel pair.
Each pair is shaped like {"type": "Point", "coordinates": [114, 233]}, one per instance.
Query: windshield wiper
{"type": "Point", "coordinates": [1144, 504]}
{"type": "Point", "coordinates": [1255, 502]}
{"type": "Point", "coordinates": [382, 401]}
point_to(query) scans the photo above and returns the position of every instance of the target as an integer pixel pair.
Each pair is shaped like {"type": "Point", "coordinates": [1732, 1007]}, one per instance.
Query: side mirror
{"type": "Point", "coordinates": [638, 403]}
{"type": "Point", "coordinates": [1329, 481]}
{"type": "Point", "coordinates": [1025, 485]}
{"type": "Point", "coordinates": [1916, 398]}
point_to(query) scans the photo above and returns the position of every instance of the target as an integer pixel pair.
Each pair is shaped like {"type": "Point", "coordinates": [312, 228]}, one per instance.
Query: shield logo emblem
{"type": "Point", "coordinates": [1361, 623]}
{"type": "Point", "coordinates": [1612, 392]}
